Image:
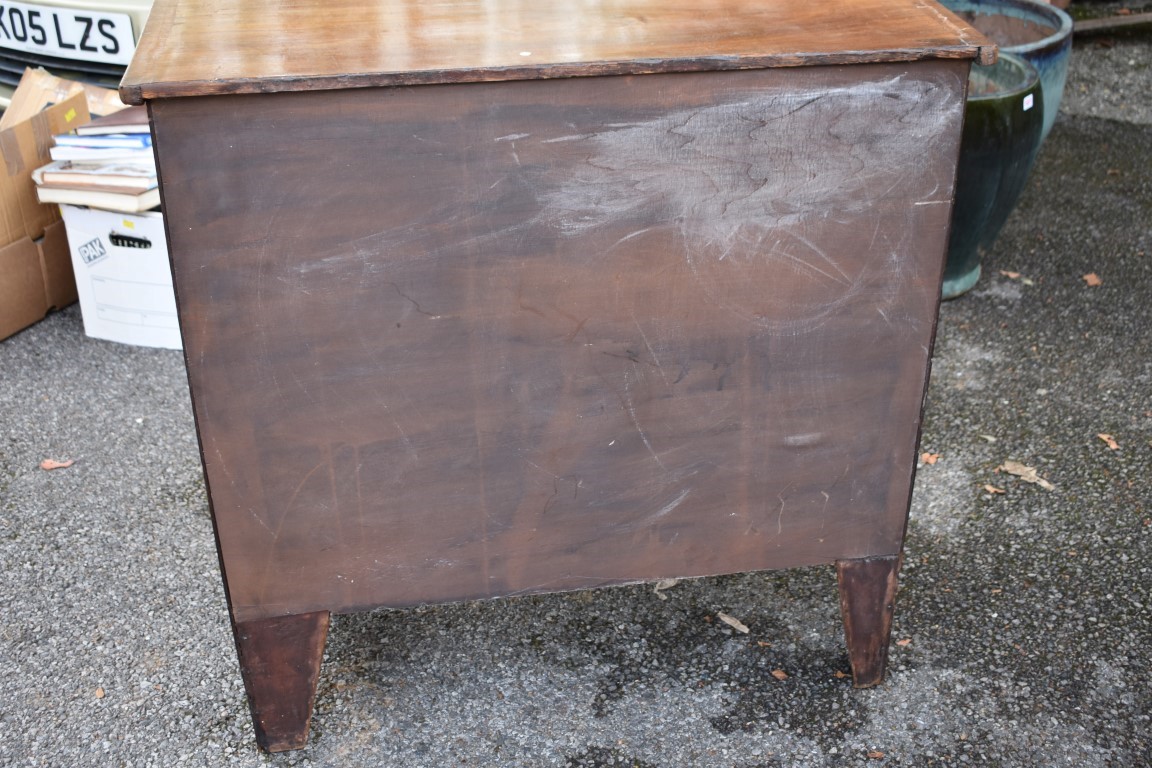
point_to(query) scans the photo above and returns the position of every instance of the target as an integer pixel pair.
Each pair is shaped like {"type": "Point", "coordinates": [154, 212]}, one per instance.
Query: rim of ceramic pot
{"type": "Point", "coordinates": [1060, 19]}
{"type": "Point", "coordinates": [1024, 76]}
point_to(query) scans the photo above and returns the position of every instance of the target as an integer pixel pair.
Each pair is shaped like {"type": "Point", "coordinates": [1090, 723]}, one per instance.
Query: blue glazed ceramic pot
{"type": "Point", "coordinates": [1003, 123]}
{"type": "Point", "coordinates": [1035, 31]}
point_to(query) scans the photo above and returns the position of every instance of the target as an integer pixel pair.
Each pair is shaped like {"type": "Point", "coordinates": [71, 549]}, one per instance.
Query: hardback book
{"type": "Point", "coordinates": [130, 120]}
{"type": "Point", "coordinates": [109, 201]}
{"type": "Point", "coordinates": [102, 154]}
{"type": "Point", "coordinates": [119, 140]}
{"type": "Point", "coordinates": [124, 176]}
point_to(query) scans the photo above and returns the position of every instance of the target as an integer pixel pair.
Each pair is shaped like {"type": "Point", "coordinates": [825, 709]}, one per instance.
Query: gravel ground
{"type": "Point", "coordinates": [1109, 80]}
{"type": "Point", "coordinates": [1022, 628]}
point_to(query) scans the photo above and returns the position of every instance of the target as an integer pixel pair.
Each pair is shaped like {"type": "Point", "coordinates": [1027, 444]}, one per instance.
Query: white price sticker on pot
{"type": "Point", "coordinates": [1028, 100]}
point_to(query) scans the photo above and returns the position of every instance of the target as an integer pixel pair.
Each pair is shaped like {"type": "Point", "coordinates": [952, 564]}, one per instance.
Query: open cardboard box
{"type": "Point", "coordinates": [35, 263]}
{"type": "Point", "coordinates": [35, 278]}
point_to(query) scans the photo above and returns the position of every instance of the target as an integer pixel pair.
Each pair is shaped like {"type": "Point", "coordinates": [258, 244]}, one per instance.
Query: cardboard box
{"type": "Point", "coordinates": [33, 275]}
{"type": "Point", "coordinates": [39, 89]}
{"type": "Point", "coordinates": [35, 278]}
{"type": "Point", "coordinates": [122, 276]}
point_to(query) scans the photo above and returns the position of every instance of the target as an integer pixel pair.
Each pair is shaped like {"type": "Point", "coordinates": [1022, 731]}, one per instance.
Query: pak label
{"type": "Point", "coordinates": [92, 251]}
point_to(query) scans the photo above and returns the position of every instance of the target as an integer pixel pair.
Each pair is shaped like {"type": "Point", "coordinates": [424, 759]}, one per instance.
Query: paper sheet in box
{"type": "Point", "coordinates": [122, 276]}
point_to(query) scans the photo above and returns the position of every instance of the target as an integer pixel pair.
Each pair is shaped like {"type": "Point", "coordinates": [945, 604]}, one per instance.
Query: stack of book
{"type": "Point", "coordinates": [107, 164]}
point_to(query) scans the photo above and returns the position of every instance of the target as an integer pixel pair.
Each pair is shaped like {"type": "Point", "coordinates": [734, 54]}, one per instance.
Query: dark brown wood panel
{"type": "Point", "coordinates": [280, 660]}
{"type": "Point", "coordinates": [464, 341]}
{"type": "Point", "coordinates": [867, 602]}
{"type": "Point", "coordinates": [222, 46]}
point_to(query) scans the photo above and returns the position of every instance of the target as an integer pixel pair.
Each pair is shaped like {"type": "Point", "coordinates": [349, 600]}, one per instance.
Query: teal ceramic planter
{"type": "Point", "coordinates": [1037, 32]}
{"type": "Point", "coordinates": [1003, 127]}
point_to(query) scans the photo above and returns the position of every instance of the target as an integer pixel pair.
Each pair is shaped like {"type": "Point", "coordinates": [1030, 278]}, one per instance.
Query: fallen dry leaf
{"type": "Point", "coordinates": [736, 624]}
{"type": "Point", "coordinates": [905, 642]}
{"type": "Point", "coordinates": [929, 458]}
{"type": "Point", "coordinates": [840, 675]}
{"type": "Point", "coordinates": [1111, 441]}
{"type": "Point", "coordinates": [50, 464]}
{"type": "Point", "coordinates": [662, 585]}
{"type": "Point", "coordinates": [876, 754]}
{"type": "Point", "coordinates": [779, 674]}
{"type": "Point", "coordinates": [1010, 275]}
{"type": "Point", "coordinates": [1027, 474]}
{"type": "Point", "coordinates": [99, 693]}
{"type": "Point", "coordinates": [1092, 279]}
{"type": "Point", "coordinates": [994, 489]}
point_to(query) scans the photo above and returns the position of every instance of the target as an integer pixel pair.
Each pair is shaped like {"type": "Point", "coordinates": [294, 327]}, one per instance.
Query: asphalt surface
{"type": "Point", "coordinates": [1022, 631]}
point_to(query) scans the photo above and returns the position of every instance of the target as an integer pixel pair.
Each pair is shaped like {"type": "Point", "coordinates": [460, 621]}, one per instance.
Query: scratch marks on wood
{"type": "Point", "coordinates": [631, 407]}
{"type": "Point", "coordinates": [760, 184]}
{"type": "Point", "coordinates": [763, 185]}
{"type": "Point", "coordinates": [806, 440]}
{"type": "Point", "coordinates": [573, 137]}
{"type": "Point", "coordinates": [987, 54]}
{"type": "Point", "coordinates": [415, 304]}
{"type": "Point", "coordinates": [651, 351]}
{"type": "Point", "coordinates": [512, 138]}
{"type": "Point", "coordinates": [667, 508]}
{"type": "Point", "coordinates": [576, 331]}
{"type": "Point", "coordinates": [780, 512]}
{"type": "Point", "coordinates": [764, 159]}
{"type": "Point", "coordinates": [629, 236]}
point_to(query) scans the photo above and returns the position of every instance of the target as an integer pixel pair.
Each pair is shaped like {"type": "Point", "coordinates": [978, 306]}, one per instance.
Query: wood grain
{"type": "Point", "coordinates": [490, 339]}
{"type": "Point", "coordinates": [221, 46]}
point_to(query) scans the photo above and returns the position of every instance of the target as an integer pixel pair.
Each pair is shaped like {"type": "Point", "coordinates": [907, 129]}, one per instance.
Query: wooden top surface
{"type": "Point", "coordinates": [205, 47]}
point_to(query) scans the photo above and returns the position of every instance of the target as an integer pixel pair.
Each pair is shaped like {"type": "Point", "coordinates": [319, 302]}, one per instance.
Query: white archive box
{"type": "Point", "coordinates": [123, 277]}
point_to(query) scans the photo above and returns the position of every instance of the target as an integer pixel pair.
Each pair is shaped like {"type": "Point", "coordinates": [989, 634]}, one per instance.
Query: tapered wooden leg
{"type": "Point", "coordinates": [867, 598]}
{"type": "Point", "coordinates": [280, 662]}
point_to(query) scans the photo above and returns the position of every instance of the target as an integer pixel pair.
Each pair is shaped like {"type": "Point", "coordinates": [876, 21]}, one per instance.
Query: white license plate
{"type": "Point", "coordinates": [67, 33]}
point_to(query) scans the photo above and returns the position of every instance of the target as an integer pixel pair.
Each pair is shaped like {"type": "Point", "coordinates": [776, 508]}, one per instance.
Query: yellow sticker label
{"type": "Point", "coordinates": [70, 115]}
{"type": "Point", "coordinates": [129, 224]}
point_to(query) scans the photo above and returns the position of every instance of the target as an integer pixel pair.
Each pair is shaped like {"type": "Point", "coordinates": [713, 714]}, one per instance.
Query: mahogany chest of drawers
{"type": "Point", "coordinates": [493, 298]}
